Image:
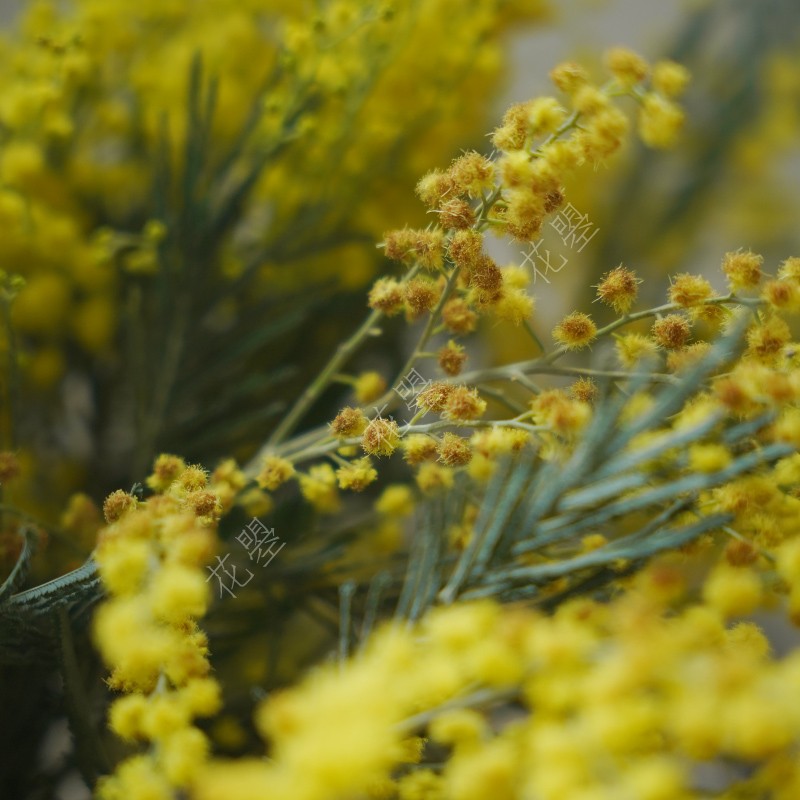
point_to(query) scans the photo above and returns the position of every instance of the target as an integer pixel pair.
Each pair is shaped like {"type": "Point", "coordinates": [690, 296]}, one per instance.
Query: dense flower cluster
{"type": "Point", "coordinates": [597, 701]}
{"type": "Point", "coordinates": [301, 118]}
{"type": "Point", "coordinates": [151, 558]}
{"type": "Point", "coordinates": [568, 621]}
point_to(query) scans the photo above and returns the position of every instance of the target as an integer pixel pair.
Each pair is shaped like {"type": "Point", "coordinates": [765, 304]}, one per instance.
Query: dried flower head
{"type": "Point", "coordinates": [117, 504]}
{"type": "Point", "coordinates": [421, 295]}
{"type": "Point", "coordinates": [9, 466]}
{"type": "Point", "coordinates": [381, 437]}
{"type": "Point", "coordinates": [466, 248]}
{"type": "Point", "coordinates": [398, 245]}
{"type": "Point", "coordinates": [464, 404]}
{"type": "Point", "coordinates": [456, 214]}
{"type": "Point", "coordinates": [672, 331]}
{"type": "Point", "coordinates": [585, 390]}
{"type": "Point", "coordinates": [386, 295]}
{"type": "Point", "coordinates": [486, 278]}
{"type": "Point", "coordinates": [458, 317]}
{"type": "Point", "coordinates": [454, 451]}
{"type": "Point", "coordinates": [783, 295]}
{"type": "Point", "coordinates": [451, 358]}
{"type": "Point", "coordinates": [349, 422]}
{"type": "Point", "coordinates": [575, 331]}
{"type": "Point", "coordinates": [434, 396]}
{"type": "Point", "coordinates": [768, 338]}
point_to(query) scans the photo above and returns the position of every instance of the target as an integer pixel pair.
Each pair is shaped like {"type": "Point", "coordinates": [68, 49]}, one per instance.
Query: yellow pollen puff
{"type": "Point", "coordinates": [660, 121]}
{"type": "Point", "coordinates": [458, 727]}
{"type": "Point", "coordinates": [125, 716]}
{"type": "Point", "coordinates": [319, 488]}
{"type": "Point", "coordinates": [123, 564]}
{"type": "Point", "coordinates": [516, 168]}
{"type": "Point", "coordinates": [432, 478]}
{"type": "Point", "coordinates": [514, 306]}
{"type": "Point", "coordinates": [633, 348]}
{"type": "Point", "coordinates": [568, 76]}
{"type": "Point", "coordinates": [181, 754]}
{"type": "Point", "coordinates": [545, 115]}
{"type": "Point", "coordinates": [733, 591]}
{"type": "Point", "coordinates": [275, 471]}
{"type": "Point", "coordinates": [435, 187]}
{"type": "Point", "coordinates": [178, 592]}
{"type": "Point", "coordinates": [589, 100]}
{"type": "Point", "coordinates": [790, 269]}
{"type": "Point", "coordinates": [627, 67]}
{"type": "Point", "coordinates": [190, 480]}
{"type": "Point", "coordinates": [369, 386]}
{"type": "Point", "coordinates": [708, 457]}
{"type": "Point", "coordinates": [396, 500]}
{"type": "Point", "coordinates": [670, 78]}
{"type": "Point", "coordinates": [165, 714]}
{"type": "Point", "coordinates": [419, 447]}
{"type": "Point", "coordinates": [619, 289]}
{"type": "Point", "coordinates": [357, 475]}
{"type": "Point", "coordinates": [386, 295]}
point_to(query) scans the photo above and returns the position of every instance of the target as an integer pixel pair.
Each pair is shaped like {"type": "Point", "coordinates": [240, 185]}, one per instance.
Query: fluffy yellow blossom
{"type": "Point", "coordinates": [618, 289]}
{"type": "Point", "coordinates": [660, 121]}
{"type": "Point", "coordinates": [357, 475]}
{"type": "Point", "coordinates": [633, 347]}
{"type": "Point", "coordinates": [275, 471]}
{"type": "Point", "coordinates": [318, 486]}
{"type": "Point", "coordinates": [670, 78]}
{"type": "Point", "coordinates": [369, 386]}
{"type": "Point", "coordinates": [396, 500]}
